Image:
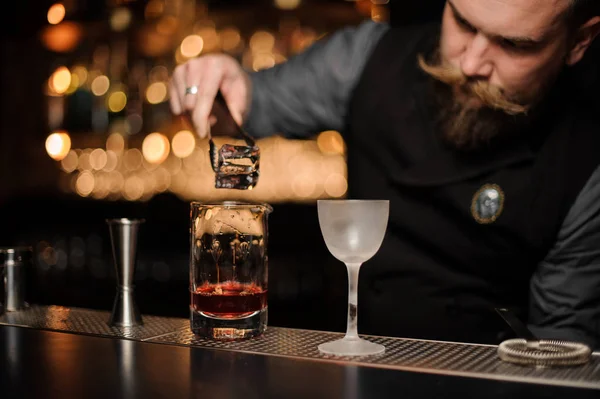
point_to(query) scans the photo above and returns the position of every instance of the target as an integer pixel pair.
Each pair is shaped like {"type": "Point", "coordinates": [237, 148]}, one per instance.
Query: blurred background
{"type": "Point", "coordinates": [86, 134]}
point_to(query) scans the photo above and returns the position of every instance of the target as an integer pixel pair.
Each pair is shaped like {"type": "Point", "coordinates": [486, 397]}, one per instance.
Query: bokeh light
{"type": "Point", "coordinates": [56, 13]}
{"type": "Point", "coordinates": [331, 142]}
{"type": "Point", "coordinates": [159, 73]}
{"type": "Point", "coordinates": [210, 38]}
{"type": "Point", "coordinates": [192, 46]}
{"type": "Point", "coordinates": [100, 85]}
{"type": "Point", "coordinates": [262, 42]}
{"type": "Point", "coordinates": [183, 144]}
{"type": "Point", "coordinates": [112, 161]}
{"type": "Point", "coordinates": [62, 38]}
{"type": "Point", "coordinates": [132, 159]}
{"type": "Point", "coordinates": [84, 160]}
{"type": "Point", "coordinates": [303, 185]}
{"type": "Point", "coordinates": [74, 85]}
{"type": "Point", "coordinates": [115, 143]}
{"type": "Point", "coordinates": [85, 183]}
{"type": "Point", "coordinates": [179, 58]}
{"type": "Point", "coordinates": [116, 182]}
{"type": "Point", "coordinates": [120, 19]}
{"type": "Point", "coordinates": [230, 39]}
{"type": "Point", "coordinates": [58, 145]}
{"type": "Point", "coordinates": [69, 162]}
{"type": "Point", "coordinates": [155, 148]}
{"type": "Point", "coordinates": [156, 93]}
{"type": "Point", "coordinates": [81, 72]}
{"type": "Point", "coordinates": [287, 4]}
{"type": "Point", "coordinates": [263, 61]}
{"type": "Point", "coordinates": [163, 179]}
{"type": "Point", "coordinates": [336, 185]}
{"type": "Point", "coordinates": [173, 165]}
{"type": "Point", "coordinates": [133, 188]}
{"type": "Point", "coordinates": [116, 101]}
{"type": "Point", "coordinates": [60, 80]}
{"type": "Point", "coordinates": [98, 159]}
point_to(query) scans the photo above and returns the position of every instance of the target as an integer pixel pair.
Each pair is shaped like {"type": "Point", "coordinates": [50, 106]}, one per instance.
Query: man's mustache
{"type": "Point", "coordinates": [490, 95]}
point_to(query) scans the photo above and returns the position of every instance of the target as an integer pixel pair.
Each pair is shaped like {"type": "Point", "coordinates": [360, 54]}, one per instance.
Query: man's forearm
{"type": "Point", "coordinates": [565, 290]}
{"type": "Point", "coordinates": [310, 92]}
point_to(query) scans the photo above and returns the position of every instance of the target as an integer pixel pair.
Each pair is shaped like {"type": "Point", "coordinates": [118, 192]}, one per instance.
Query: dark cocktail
{"type": "Point", "coordinates": [228, 269]}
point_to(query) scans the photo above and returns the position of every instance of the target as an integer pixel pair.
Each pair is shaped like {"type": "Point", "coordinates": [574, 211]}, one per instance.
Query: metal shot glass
{"type": "Point", "coordinates": [123, 236]}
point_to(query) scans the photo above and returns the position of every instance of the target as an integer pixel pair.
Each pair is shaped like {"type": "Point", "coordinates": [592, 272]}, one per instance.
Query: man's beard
{"type": "Point", "coordinates": [472, 112]}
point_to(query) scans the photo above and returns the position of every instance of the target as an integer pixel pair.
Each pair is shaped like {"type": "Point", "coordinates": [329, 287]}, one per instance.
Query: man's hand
{"type": "Point", "coordinates": [209, 74]}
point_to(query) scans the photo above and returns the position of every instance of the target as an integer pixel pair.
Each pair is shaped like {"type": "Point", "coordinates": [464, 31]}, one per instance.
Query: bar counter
{"type": "Point", "coordinates": [57, 352]}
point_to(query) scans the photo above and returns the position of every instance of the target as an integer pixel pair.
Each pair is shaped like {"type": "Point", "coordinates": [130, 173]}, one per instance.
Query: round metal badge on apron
{"type": "Point", "coordinates": [487, 204]}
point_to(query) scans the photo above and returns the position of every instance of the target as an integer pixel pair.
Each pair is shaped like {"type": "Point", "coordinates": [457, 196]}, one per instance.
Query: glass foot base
{"type": "Point", "coordinates": [206, 326]}
{"type": "Point", "coordinates": [351, 347]}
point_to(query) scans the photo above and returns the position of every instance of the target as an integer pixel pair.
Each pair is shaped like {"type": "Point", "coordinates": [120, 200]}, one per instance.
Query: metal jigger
{"type": "Point", "coordinates": [123, 235]}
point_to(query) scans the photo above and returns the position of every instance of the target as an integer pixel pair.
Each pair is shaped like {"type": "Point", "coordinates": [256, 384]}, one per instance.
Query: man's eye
{"type": "Point", "coordinates": [509, 44]}
{"type": "Point", "coordinates": [515, 46]}
{"type": "Point", "coordinates": [464, 25]}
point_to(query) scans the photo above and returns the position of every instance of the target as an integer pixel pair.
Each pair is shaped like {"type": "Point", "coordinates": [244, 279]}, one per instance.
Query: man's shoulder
{"type": "Point", "coordinates": [402, 43]}
{"type": "Point", "coordinates": [432, 27]}
{"type": "Point", "coordinates": [416, 34]}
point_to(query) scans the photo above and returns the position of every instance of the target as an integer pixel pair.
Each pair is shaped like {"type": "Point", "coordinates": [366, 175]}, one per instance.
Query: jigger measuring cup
{"type": "Point", "coordinates": [123, 236]}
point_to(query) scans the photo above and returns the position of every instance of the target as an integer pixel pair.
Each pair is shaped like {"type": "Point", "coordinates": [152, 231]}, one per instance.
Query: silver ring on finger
{"type": "Point", "coordinates": [191, 90]}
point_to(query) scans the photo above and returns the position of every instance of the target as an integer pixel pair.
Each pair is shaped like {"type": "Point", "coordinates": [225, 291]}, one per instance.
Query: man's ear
{"type": "Point", "coordinates": [583, 39]}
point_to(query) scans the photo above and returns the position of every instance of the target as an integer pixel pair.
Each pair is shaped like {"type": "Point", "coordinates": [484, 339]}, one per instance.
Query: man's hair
{"type": "Point", "coordinates": [581, 11]}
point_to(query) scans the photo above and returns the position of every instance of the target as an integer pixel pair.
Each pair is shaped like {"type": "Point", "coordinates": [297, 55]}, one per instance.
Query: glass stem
{"type": "Point", "coordinates": [352, 327]}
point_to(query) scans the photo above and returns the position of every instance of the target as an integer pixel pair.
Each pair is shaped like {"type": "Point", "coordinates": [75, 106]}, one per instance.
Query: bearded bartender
{"type": "Point", "coordinates": [475, 132]}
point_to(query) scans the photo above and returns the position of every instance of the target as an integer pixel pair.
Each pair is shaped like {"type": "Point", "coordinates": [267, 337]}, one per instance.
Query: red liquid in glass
{"type": "Point", "coordinates": [229, 299]}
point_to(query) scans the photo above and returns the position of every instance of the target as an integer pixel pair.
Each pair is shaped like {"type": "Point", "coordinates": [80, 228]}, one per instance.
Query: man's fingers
{"type": "Point", "coordinates": [235, 98]}
{"type": "Point", "coordinates": [194, 86]}
{"type": "Point", "coordinates": [175, 96]}
{"type": "Point", "coordinates": [178, 84]}
{"type": "Point", "coordinates": [207, 91]}
{"type": "Point", "coordinates": [194, 71]}
{"type": "Point", "coordinates": [174, 101]}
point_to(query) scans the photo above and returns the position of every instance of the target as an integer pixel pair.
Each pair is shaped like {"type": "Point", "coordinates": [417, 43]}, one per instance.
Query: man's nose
{"type": "Point", "coordinates": [475, 61]}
